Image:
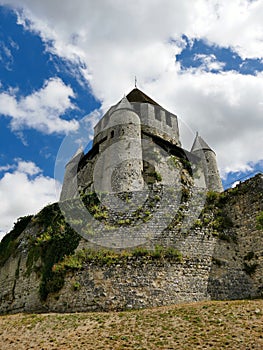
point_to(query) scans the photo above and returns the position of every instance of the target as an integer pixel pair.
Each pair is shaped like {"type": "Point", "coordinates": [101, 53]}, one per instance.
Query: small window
{"type": "Point", "coordinates": [112, 134]}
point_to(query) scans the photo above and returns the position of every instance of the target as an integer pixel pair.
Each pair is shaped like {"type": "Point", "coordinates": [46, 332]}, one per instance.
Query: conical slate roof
{"type": "Point", "coordinates": [79, 151]}
{"type": "Point", "coordinates": [200, 144]}
{"type": "Point", "coordinates": [124, 103]}
{"type": "Point", "coordinates": [137, 95]}
{"type": "Point", "coordinates": [78, 155]}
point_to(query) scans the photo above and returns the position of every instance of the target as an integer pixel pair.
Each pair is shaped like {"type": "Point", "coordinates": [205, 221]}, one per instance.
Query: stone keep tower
{"type": "Point", "coordinates": [123, 137]}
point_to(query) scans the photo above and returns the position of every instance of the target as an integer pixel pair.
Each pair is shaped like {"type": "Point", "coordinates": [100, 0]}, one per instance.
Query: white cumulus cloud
{"type": "Point", "coordinates": [116, 40]}
{"type": "Point", "coordinates": [42, 109]}
{"type": "Point", "coordinates": [209, 62]}
{"type": "Point", "coordinates": [23, 191]}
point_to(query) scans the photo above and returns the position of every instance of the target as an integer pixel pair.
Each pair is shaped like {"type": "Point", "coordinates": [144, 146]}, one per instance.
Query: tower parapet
{"type": "Point", "coordinates": [154, 119]}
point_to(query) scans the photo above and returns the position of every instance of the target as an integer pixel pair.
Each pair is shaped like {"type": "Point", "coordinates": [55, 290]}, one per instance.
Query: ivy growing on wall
{"type": "Point", "coordinates": [54, 241]}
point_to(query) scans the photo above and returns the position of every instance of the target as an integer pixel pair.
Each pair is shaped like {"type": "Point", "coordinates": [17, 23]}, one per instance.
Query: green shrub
{"type": "Point", "coordinates": [187, 165]}
{"type": "Point", "coordinates": [172, 253]}
{"type": "Point", "coordinates": [221, 222]}
{"type": "Point", "coordinates": [158, 176]}
{"type": "Point", "coordinates": [71, 262]}
{"type": "Point", "coordinates": [198, 224]}
{"type": "Point", "coordinates": [140, 251]}
{"type": "Point", "coordinates": [76, 286]}
{"type": "Point", "coordinates": [173, 162]}
{"type": "Point", "coordinates": [259, 219]}
{"type": "Point", "coordinates": [211, 197]}
{"type": "Point", "coordinates": [124, 222]}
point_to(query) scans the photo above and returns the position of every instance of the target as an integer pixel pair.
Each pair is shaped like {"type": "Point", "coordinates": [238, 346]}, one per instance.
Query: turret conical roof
{"type": "Point", "coordinates": [124, 103]}
{"type": "Point", "coordinates": [77, 156]}
{"type": "Point", "coordinates": [200, 144]}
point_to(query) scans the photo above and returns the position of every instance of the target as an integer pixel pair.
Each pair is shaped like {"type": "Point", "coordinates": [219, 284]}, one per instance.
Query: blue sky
{"type": "Point", "coordinates": [25, 66]}
{"type": "Point", "coordinates": [63, 65]}
{"type": "Point", "coordinates": [197, 50]}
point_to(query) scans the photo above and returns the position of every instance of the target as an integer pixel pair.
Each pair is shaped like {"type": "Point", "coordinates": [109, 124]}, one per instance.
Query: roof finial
{"type": "Point", "coordinates": [135, 81]}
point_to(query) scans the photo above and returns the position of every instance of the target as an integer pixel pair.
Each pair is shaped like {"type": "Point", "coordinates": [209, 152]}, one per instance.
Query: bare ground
{"type": "Point", "coordinates": [202, 325]}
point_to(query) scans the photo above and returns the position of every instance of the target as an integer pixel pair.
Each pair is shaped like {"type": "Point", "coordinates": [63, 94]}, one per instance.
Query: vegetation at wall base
{"type": "Point", "coordinates": [54, 269]}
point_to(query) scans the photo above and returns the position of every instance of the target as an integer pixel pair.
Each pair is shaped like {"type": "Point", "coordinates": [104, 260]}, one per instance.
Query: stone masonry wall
{"type": "Point", "coordinates": [237, 270]}
{"type": "Point", "coordinates": [136, 284]}
{"type": "Point", "coordinates": [226, 266]}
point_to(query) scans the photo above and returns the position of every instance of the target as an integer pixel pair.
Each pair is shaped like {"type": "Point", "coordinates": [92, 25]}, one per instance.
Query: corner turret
{"type": "Point", "coordinates": [120, 166]}
{"type": "Point", "coordinates": [70, 185]}
{"type": "Point", "coordinates": [209, 163]}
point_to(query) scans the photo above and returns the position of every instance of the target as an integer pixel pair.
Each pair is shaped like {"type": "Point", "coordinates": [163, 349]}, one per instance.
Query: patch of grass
{"type": "Point", "coordinates": [202, 325]}
{"type": "Point", "coordinates": [153, 177]}
{"type": "Point", "coordinates": [103, 257]}
{"type": "Point", "coordinates": [124, 221]}
{"type": "Point", "coordinates": [158, 176]}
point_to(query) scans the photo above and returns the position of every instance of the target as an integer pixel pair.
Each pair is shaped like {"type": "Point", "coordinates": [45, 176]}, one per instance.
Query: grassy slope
{"type": "Point", "coordinates": [202, 325]}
